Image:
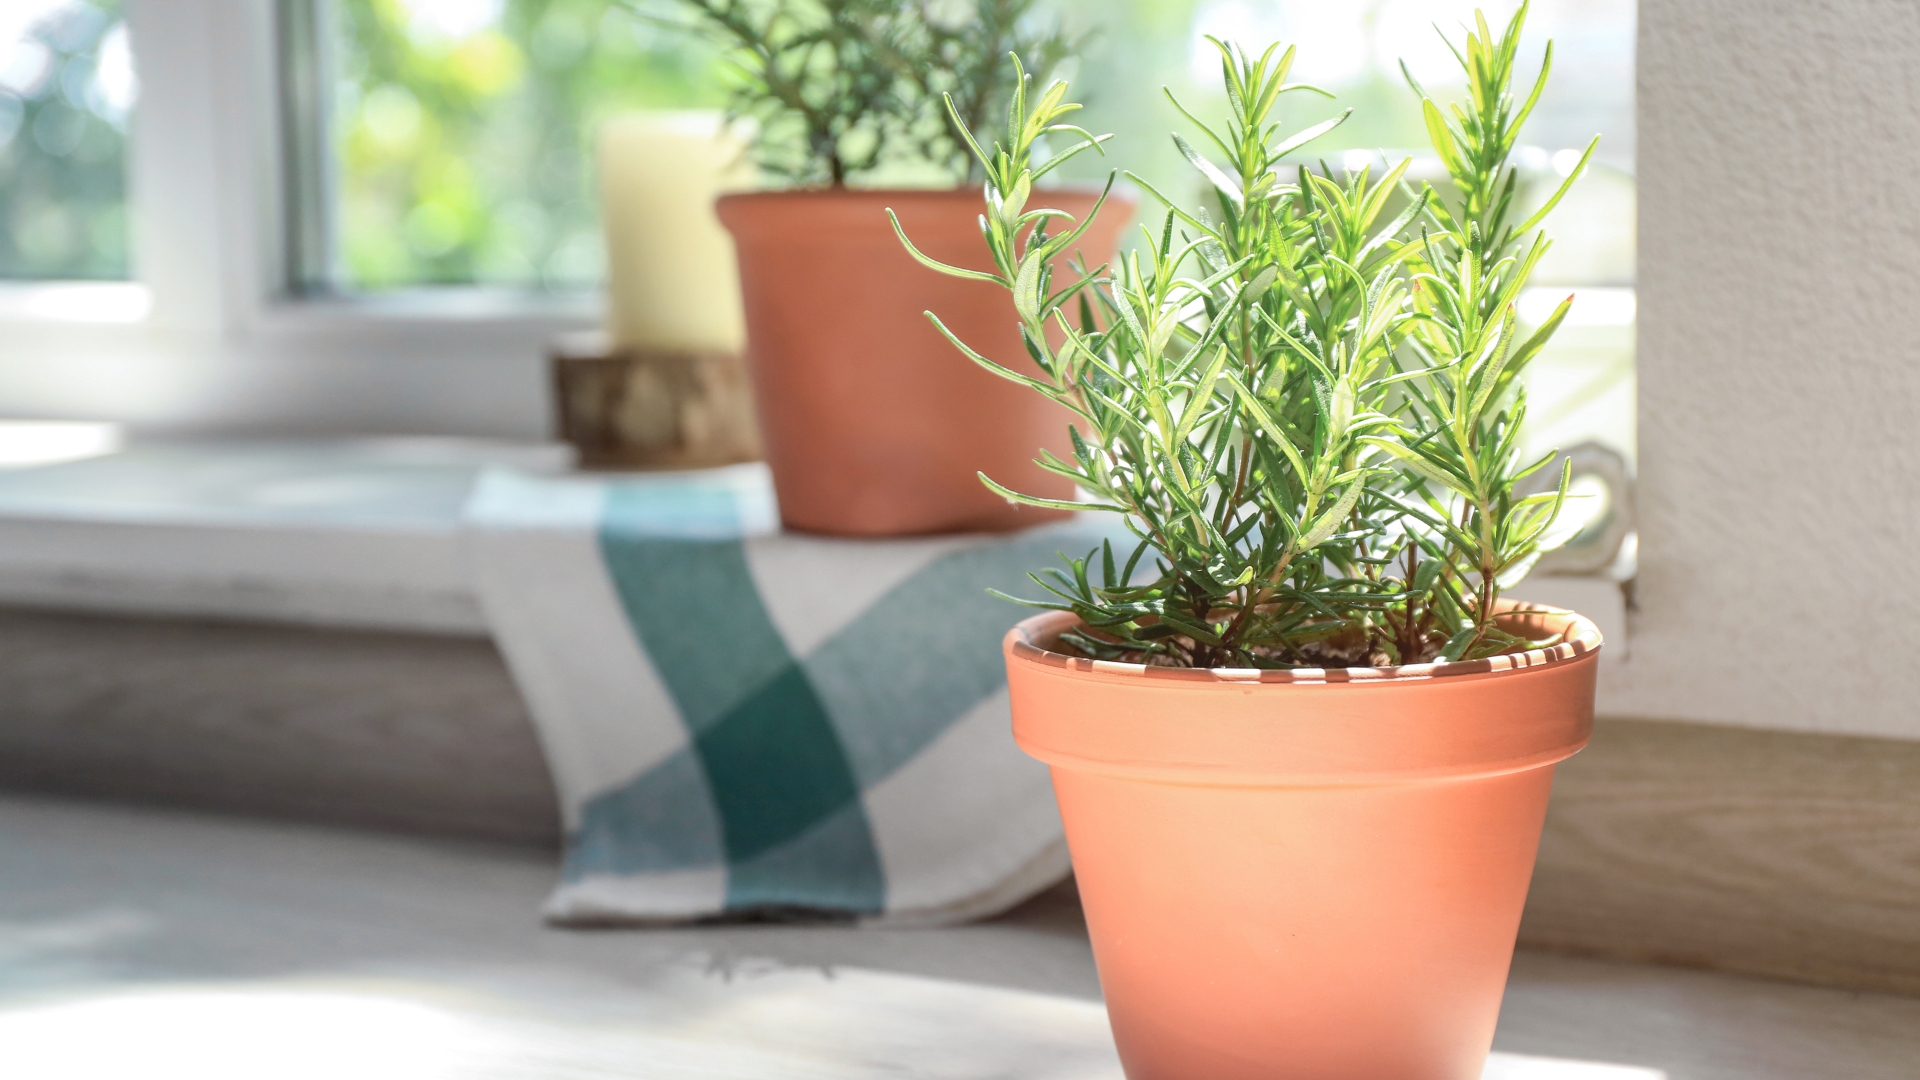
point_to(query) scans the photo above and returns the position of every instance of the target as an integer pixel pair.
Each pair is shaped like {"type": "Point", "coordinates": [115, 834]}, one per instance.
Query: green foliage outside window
{"type": "Point", "coordinates": [66, 87]}
{"type": "Point", "coordinates": [465, 150]}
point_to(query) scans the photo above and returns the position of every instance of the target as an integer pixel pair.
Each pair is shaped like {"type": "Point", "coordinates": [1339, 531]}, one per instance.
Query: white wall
{"type": "Point", "coordinates": [1779, 366]}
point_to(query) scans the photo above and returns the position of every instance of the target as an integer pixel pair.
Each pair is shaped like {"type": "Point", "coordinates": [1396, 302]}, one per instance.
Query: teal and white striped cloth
{"type": "Point", "coordinates": [741, 720]}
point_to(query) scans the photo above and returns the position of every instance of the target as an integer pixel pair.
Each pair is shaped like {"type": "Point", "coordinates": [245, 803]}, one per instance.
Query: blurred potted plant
{"type": "Point", "coordinates": [1301, 745]}
{"type": "Point", "coordinates": [866, 431]}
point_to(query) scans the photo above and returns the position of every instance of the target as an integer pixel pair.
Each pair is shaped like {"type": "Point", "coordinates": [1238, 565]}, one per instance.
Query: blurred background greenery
{"type": "Point", "coordinates": [463, 126]}
{"type": "Point", "coordinates": [461, 130]}
{"type": "Point", "coordinates": [459, 133]}
{"type": "Point", "coordinates": [66, 89]}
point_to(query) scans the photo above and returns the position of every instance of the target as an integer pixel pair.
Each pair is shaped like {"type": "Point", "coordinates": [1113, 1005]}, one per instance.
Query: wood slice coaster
{"type": "Point", "coordinates": [652, 408]}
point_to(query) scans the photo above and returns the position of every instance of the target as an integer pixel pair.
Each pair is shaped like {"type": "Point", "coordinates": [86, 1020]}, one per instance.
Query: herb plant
{"type": "Point", "coordinates": [1306, 411]}
{"type": "Point", "coordinates": [842, 87]}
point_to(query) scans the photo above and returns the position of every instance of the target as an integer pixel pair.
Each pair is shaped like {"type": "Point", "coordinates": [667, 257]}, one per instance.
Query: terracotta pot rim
{"type": "Point", "coordinates": [971, 192]}
{"type": "Point", "coordinates": [1583, 640]}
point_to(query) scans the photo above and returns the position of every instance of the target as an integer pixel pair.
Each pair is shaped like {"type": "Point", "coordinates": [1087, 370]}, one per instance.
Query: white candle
{"type": "Point", "coordinates": [671, 279]}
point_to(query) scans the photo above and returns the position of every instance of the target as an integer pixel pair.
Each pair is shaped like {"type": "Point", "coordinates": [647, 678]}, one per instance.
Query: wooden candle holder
{"type": "Point", "coordinates": [652, 408]}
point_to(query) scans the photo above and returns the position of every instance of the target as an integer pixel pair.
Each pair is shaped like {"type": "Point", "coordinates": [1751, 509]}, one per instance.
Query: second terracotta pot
{"type": "Point", "coordinates": [874, 424]}
{"type": "Point", "coordinates": [1304, 875]}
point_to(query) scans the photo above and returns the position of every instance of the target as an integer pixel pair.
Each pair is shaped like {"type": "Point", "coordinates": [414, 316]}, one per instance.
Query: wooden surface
{"type": "Point", "coordinates": [1786, 855]}
{"type": "Point", "coordinates": [394, 731]}
{"type": "Point", "coordinates": [637, 408]}
{"type": "Point", "coordinates": [224, 949]}
{"type": "Point", "coordinates": [1780, 854]}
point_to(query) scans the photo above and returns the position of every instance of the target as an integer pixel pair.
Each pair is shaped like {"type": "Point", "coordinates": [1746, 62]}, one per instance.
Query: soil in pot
{"type": "Point", "coordinates": [874, 424]}
{"type": "Point", "coordinates": [1304, 875]}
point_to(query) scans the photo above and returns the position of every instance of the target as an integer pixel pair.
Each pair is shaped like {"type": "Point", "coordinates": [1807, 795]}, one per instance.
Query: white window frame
{"type": "Point", "coordinates": [207, 336]}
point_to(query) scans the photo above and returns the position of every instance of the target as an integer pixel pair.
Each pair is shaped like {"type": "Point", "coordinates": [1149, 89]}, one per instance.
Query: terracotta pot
{"type": "Point", "coordinates": [1304, 875]}
{"type": "Point", "coordinates": [874, 424]}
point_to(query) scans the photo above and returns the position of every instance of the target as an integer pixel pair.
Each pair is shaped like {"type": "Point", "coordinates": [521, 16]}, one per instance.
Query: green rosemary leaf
{"type": "Point", "coordinates": [1310, 418]}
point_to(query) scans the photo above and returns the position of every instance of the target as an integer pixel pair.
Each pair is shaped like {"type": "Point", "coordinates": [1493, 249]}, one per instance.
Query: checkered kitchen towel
{"type": "Point", "coordinates": [744, 720]}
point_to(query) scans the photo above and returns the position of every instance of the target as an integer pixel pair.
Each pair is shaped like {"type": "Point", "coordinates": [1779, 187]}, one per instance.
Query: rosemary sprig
{"type": "Point", "coordinates": [1304, 400]}
{"type": "Point", "coordinates": [844, 87]}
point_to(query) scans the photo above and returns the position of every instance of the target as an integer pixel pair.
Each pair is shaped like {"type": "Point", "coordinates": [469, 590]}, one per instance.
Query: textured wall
{"type": "Point", "coordinates": [1779, 366]}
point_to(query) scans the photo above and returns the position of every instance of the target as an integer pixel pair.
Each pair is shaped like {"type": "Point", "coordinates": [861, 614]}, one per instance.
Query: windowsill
{"type": "Point", "coordinates": [108, 303]}
{"type": "Point", "coordinates": [473, 305]}
{"type": "Point", "coordinates": [127, 303]}
{"type": "Point", "coordinates": [348, 533]}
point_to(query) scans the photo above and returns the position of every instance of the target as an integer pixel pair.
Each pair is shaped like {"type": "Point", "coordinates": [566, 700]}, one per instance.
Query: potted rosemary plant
{"type": "Point", "coordinates": [1301, 744]}
{"type": "Point", "coordinates": [866, 433]}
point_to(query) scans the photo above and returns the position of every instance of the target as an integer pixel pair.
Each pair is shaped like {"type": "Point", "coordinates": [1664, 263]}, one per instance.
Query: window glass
{"type": "Point", "coordinates": [461, 127]}
{"type": "Point", "coordinates": [462, 132]}
{"type": "Point", "coordinates": [66, 91]}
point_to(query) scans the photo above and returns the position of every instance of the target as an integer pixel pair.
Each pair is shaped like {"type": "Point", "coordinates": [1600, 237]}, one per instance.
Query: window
{"type": "Point", "coordinates": [459, 136]}
{"type": "Point", "coordinates": [66, 91]}
{"type": "Point", "coordinates": [304, 167]}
